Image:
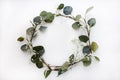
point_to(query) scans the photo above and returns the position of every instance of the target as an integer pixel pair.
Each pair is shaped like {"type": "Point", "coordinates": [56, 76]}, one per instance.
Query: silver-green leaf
{"type": "Point", "coordinates": [78, 17]}
{"type": "Point", "coordinates": [76, 25]}
{"type": "Point", "coordinates": [86, 50]}
{"type": "Point", "coordinates": [24, 47]}
{"type": "Point", "coordinates": [91, 22]}
{"type": "Point", "coordinates": [30, 31]}
{"type": "Point", "coordinates": [42, 28]}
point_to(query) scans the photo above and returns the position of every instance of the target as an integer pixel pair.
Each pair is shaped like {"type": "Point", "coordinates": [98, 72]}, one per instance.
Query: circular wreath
{"type": "Point", "coordinates": [47, 17]}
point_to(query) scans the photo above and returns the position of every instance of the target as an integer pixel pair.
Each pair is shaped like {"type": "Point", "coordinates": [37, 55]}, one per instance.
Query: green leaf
{"type": "Point", "coordinates": [89, 9]}
{"type": "Point", "coordinates": [87, 61]}
{"type": "Point", "coordinates": [91, 22]}
{"type": "Point", "coordinates": [35, 58]}
{"type": "Point", "coordinates": [30, 31]}
{"type": "Point", "coordinates": [24, 47]}
{"type": "Point", "coordinates": [37, 20]}
{"type": "Point", "coordinates": [47, 73]}
{"type": "Point", "coordinates": [43, 14]}
{"type": "Point", "coordinates": [20, 39]}
{"type": "Point", "coordinates": [83, 38]}
{"type": "Point", "coordinates": [65, 66]}
{"type": "Point", "coordinates": [97, 58]}
{"type": "Point", "coordinates": [94, 46]}
{"type": "Point", "coordinates": [78, 17]}
{"type": "Point", "coordinates": [71, 58]}
{"type": "Point", "coordinates": [76, 25]}
{"type": "Point", "coordinates": [86, 50]}
{"type": "Point", "coordinates": [39, 64]}
{"type": "Point", "coordinates": [49, 17]}
{"type": "Point", "coordinates": [61, 6]}
{"type": "Point", "coordinates": [42, 28]}
{"type": "Point", "coordinates": [61, 72]}
{"type": "Point", "coordinates": [39, 49]}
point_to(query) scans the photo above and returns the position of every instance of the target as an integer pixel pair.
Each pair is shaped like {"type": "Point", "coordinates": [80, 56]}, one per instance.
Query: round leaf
{"type": "Point", "coordinates": [87, 61]}
{"type": "Point", "coordinates": [37, 20]}
{"type": "Point", "coordinates": [78, 17]}
{"type": "Point", "coordinates": [49, 17]}
{"type": "Point", "coordinates": [86, 50]}
{"type": "Point", "coordinates": [76, 25]}
{"type": "Point", "coordinates": [39, 49]}
{"type": "Point", "coordinates": [30, 31]}
{"type": "Point", "coordinates": [94, 46]}
{"type": "Point", "coordinates": [43, 14]}
{"type": "Point", "coordinates": [35, 58]}
{"type": "Point", "coordinates": [83, 38]}
{"type": "Point", "coordinates": [24, 47]}
{"type": "Point", "coordinates": [91, 22]}
{"type": "Point", "coordinates": [39, 64]}
{"type": "Point", "coordinates": [67, 10]}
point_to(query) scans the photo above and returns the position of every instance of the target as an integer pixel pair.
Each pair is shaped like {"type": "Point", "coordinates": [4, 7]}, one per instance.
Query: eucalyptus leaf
{"type": "Point", "coordinates": [76, 25]}
{"type": "Point", "coordinates": [83, 38]}
{"type": "Point", "coordinates": [30, 31]}
{"type": "Point", "coordinates": [87, 61]}
{"type": "Point", "coordinates": [91, 22]}
{"type": "Point", "coordinates": [97, 58]}
{"type": "Point", "coordinates": [61, 72]}
{"type": "Point", "coordinates": [71, 58]}
{"type": "Point", "coordinates": [61, 6]}
{"type": "Point", "coordinates": [39, 64]}
{"type": "Point", "coordinates": [20, 39]}
{"type": "Point", "coordinates": [86, 50]}
{"type": "Point", "coordinates": [24, 47]}
{"type": "Point", "coordinates": [49, 17]}
{"type": "Point", "coordinates": [65, 66]}
{"type": "Point", "coordinates": [67, 10]}
{"type": "Point", "coordinates": [43, 14]}
{"type": "Point", "coordinates": [39, 49]}
{"type": "Point", "coordinates": [94, 46]}
{"type": "Point", "coordinates": [47, 73]}
{"type": "Point", "coordinates": [37, 20]}
{"type": "Point", "coordinates": [78, 17]}
{"type": "Point", "coordinates": [42, 28]}
{"type": "Point", "coordinates": [89, 9]}
{"type": "Point", "coordinates": [35, 58]}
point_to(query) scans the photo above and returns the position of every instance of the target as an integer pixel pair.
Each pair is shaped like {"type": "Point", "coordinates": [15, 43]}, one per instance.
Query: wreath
{"type": "Point", "coordinates": [38, 51]}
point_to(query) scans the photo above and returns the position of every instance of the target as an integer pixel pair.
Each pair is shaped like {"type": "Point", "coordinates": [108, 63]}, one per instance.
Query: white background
{"type": "Point", "coordinates": [14, 20]}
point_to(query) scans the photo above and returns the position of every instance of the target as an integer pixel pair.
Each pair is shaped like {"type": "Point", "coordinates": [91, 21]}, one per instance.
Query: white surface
{"type": "Point", "coordinates": [14, 19]}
